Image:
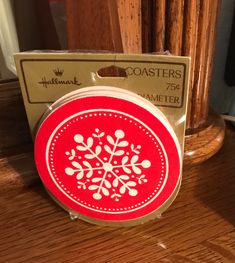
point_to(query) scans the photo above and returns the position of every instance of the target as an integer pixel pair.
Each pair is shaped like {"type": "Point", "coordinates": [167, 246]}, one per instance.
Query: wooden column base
{"type": "Point", "coordinates": [203, 143]}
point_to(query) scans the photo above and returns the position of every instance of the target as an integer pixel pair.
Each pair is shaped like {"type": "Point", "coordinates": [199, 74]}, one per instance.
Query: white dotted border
{"type": "Point", "coordinates": [116, 115]}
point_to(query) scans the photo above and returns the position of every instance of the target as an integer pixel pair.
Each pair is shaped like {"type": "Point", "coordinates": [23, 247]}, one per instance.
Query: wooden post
{"type": "Point", "coordinates": [174, 26]}
{"type": "Point", "coordinates": [205, 130]}
{"type": "Point", "coordinates": [93, 25]}
{"type": "Point", "coordinates": [159, 22]}
{"type": "Point", "coordinates": [190, 29]}
{"type": "Point", "coordinates": [129, 13]}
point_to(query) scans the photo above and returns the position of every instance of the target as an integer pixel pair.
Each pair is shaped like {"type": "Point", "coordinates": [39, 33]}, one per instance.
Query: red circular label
{"type": "Point", "coordinates": [107, 158]}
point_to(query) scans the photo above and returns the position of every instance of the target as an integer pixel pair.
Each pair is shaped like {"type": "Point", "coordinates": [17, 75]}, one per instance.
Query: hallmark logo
{"type": "Point", "coordinates": [58, 81]}
{"type": "Point", "coordinates": [58, 72]}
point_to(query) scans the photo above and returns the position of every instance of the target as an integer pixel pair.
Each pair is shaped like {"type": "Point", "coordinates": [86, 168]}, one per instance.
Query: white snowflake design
{"type": "Point", "coordinates": [105, 176]}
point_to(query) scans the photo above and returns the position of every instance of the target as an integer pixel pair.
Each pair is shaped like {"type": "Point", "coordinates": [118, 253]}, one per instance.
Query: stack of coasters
{"type": "Point", "coordinates": [108, 156]}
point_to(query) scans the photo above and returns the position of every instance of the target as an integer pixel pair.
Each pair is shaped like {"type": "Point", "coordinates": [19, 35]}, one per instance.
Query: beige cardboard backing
{"type": "Point", "coordinates": [163, 80]}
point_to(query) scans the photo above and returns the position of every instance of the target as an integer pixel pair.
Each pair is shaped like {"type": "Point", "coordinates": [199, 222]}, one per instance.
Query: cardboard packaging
{"type": "Point", "coordinates": [109, 150]}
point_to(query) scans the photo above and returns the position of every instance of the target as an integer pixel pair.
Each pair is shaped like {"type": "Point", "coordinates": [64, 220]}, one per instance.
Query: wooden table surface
{"type": "Point", "coordinates": [198, 227]}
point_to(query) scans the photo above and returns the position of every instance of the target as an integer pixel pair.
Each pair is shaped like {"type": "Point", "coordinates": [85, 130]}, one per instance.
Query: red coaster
{"type": "Point", "coordinates": [107, 158]}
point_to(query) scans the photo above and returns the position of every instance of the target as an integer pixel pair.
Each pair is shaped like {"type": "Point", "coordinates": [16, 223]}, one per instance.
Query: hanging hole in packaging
{"type": "Point", "coordinates": [112, 71]}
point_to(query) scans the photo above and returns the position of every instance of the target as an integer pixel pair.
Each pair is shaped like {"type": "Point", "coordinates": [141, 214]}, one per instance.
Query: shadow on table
{"type": "Point", "coordinates": [16, 148]}
{"type": "Point", "coordinates": [14, 131]}
{"type": "Point", "coordinates": [216, 185]}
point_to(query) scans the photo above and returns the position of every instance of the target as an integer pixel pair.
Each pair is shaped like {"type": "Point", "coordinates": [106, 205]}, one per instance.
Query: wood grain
{"type": "Point", "coordinates": [201, 58]}
{"type": "Point", "coordinates": [205, 142]}
{"type": "Point", "coordinates": [215, 7]}
{"type": "Point", "coordinates": [160, 24]}
{"type": "Point", "coordinates": [47, 30]}
{"type": "Point", "coordinates": [191, 16]}
{"type": "Point", "coordinates": [129, 14]}
{"type": "Point", "coordinates": [147, 25]}
{"type": "Point", "coordinates": [188, 28]}
{"type": "Point", "coordinates": [93, 25]}
{"type": "Point", "coordinates": [174, 26]}
{"type": "Point", "coordinates": [198, 227]}
{"type": "Point", "coordinates": [13, 122]}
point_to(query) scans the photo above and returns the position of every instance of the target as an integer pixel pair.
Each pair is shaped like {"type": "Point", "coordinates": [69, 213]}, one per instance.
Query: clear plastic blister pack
{"type": "Point", "coordinates": [104, 153]}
